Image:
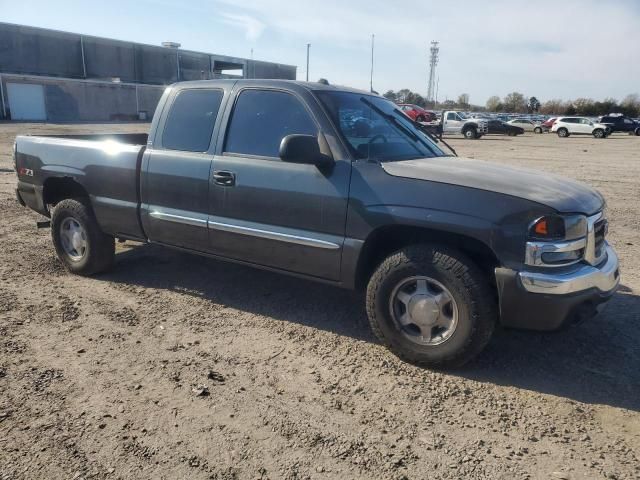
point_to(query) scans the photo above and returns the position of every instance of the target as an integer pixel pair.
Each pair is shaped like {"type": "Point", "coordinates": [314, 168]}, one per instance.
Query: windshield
{"type": "Point", "coordinates": [375, 129]}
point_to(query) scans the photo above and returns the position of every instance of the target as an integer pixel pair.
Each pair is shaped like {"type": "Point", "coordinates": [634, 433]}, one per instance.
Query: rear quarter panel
{"type": "Point", "coordinates": [107, 170]}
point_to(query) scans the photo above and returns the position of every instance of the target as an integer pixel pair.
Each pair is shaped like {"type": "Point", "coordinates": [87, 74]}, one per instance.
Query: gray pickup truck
{"type": "Point", "coordinates": [339, 186]}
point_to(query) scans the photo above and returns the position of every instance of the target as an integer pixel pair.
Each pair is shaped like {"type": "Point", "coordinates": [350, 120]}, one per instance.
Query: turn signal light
{"type": "Point", "coordinates": [541, 228]}
{"type": "Point", "coordinates": [550, 227]}
{"type": "Point", "coordinates": [556, 227]}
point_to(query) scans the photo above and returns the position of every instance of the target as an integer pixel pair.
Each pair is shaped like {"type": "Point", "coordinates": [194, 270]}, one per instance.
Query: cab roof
{"type": "Point", "coordinates": [293, 85]}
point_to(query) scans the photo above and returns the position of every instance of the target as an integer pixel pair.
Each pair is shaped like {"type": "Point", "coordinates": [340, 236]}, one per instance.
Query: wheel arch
{"type": "Point", "coordinates": [385, 240]}
{"type": "Point", "coordinates": [56, 189]}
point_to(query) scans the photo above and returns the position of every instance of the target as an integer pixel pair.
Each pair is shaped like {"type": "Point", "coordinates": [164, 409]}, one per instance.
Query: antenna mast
{"type": "Point", "coordinates": [433, 61]}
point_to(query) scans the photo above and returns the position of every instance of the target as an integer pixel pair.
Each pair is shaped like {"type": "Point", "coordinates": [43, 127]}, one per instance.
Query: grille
{"type": "Point", "coordinates": [599, 231]}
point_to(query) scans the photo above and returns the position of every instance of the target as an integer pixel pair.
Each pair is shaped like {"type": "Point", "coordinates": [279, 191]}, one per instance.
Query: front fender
{"type": "Point", "coordinates": [438, 220]}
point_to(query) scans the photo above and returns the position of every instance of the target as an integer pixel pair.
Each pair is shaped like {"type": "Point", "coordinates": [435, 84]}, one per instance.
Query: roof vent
{"type": "Point", "coordinates": [174, 45]}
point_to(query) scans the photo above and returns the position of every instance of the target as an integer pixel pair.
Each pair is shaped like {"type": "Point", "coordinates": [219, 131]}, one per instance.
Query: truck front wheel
{"type": "Point", "coordinates": [431, 305]}
{"type": "Point", "coordinates": [80, 244]}
{"type": "Point", "coordinates": [470, 133]}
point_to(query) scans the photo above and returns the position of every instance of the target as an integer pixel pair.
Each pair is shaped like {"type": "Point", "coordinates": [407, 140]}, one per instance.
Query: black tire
{"type": "Point", "coordinates": [511, 133]}
{"type": "Point", "coordinates": [563, 132]}
{"type": "Point", "coordinates": [637, 132]}
{"type": "Point", "coordinates": [476, 304]}
{"type": "Point", "coordinates": [599, 133]}
{"type": "Point", "coordinates": [470, 133]}
{"type": "Point", "coordinates": [98, 254]}
{"type": "Point", "coordinates": [537, 130]}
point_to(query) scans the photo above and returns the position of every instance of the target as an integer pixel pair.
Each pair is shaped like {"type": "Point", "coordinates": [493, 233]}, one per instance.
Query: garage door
{"type": "Point", "coordinates": [26, 101]}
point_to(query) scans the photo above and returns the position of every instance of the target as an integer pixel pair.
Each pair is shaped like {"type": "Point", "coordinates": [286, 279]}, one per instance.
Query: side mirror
{"type": "Point", "coordinates": [299, 148]}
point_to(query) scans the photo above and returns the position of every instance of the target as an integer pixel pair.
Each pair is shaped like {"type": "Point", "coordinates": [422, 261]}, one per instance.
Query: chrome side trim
{"type": "Point", "coordinates": [271, 235]}
{"type": "Point", "coordinates": [170, 217]}
{"type": "Point", "coordinates": [585, 277]}
{"type": "Point", "coordinates": [535, 250]}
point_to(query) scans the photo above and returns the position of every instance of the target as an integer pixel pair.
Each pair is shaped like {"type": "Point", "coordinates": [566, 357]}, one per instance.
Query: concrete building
{"type": "Point", "coordinates": [47, 75]}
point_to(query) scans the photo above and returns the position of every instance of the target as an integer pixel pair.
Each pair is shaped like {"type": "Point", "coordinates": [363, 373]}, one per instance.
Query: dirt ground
{"type": "Point", "coordinates": [97, 375]}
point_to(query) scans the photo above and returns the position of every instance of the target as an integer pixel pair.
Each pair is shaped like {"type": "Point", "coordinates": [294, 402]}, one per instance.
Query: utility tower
{"type": "Point", "coordinates": [433, 61]}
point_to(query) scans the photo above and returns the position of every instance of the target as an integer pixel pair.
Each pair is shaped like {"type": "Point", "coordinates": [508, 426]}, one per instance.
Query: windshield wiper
{"type": "Point", "coordinates": [393, 120]}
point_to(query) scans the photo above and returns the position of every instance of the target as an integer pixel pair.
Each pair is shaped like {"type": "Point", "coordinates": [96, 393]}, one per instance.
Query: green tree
{"type": "Point", "coordinates": [585, 106]}
{"type": "Point", "coordinates": [401, 95]}
{"type": "Point", "coordinates": [463, 100]}
{"type": "Point", "coordinates": [515, 102]}
{"type": "Point", "coordinates": [390, 95]}
{"type": "Point", "coordinates": [494, 104]}
{"type": "Point", "coordinates": [553, 107]}
{"type": "Point", "coordinates": [415, 99]}
{"type": "Point", "coordinates": [533, 105]}
{"type": "Point", "coordinates": [631, 105]}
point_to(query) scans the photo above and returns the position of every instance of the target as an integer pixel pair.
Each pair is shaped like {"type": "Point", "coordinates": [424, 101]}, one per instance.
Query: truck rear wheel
{"type": "Point", "coordinates": [470, 133]}
{"type": "Point", "coordinates": [80, 244]}
{"type": "Point", "coordinates": [431, 305]}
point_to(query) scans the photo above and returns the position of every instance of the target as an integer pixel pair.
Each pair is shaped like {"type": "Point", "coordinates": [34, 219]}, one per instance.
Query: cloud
{"type": "Point", "coordinates": [252, 27]}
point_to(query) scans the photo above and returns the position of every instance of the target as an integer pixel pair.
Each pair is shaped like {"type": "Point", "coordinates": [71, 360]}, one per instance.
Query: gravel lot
{"type": "Point", "coordinates": [97, 375]}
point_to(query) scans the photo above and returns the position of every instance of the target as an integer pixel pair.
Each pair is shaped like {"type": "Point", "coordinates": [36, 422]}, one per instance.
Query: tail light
{"type": "Point", "coordinates": [15, 156]}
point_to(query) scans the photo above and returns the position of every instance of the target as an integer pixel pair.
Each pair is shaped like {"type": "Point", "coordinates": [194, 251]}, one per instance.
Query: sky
{"type": "Point", "coordinates": [563, 49]}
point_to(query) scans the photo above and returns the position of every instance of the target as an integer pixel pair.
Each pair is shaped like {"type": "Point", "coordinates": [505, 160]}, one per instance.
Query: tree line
{"type": "Point", "coordinates": [516, 102]}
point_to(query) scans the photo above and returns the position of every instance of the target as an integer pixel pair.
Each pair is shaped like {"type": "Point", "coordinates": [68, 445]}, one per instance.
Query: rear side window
{"type": "Point", "coordinates": [262, 118]}
{"type": "Point", "coordinates": [191, 119]}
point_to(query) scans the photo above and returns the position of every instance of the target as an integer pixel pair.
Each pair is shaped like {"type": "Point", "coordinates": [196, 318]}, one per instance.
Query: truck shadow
{"type": "Point", "coordinates": [597, 362]}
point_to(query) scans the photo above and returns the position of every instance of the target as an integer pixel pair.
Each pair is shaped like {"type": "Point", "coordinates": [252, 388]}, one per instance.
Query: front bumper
{"type": "Point", "coordinates": [550, 300]}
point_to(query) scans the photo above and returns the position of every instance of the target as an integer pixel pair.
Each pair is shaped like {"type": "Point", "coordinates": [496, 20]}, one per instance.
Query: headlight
{"type": "Point", "coordinates": [556, 227]}
{"type": "Point", "coordinates": [557, 240]}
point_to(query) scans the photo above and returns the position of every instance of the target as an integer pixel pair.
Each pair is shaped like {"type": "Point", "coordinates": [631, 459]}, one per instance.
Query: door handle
{"type": "Point", "coordinates": [224, 178]}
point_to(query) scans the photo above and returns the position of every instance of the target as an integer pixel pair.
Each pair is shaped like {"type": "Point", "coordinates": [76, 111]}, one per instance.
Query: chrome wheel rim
{"type": "Point", "coordinates": [73, 238]}
{"type": "Point", "coordinates": [424, 310]}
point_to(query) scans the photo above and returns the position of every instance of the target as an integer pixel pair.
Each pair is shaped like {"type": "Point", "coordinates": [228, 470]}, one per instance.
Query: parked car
{"type": "Point", "coordinates": [270, 174]}
{"type": "Point", "coordinates": [621, 123]}
{"type": "Point", "coordinates": [417, 113]}
{"type": "Point", "coordinates": [527, 125]}
{"type": "Point", "coordinates": [565, 126]}
{"type": "Point", "coordinates": [498, 127]}
{"type": "Point", "coordinates": [547, 124]}
{"type": "Point", "coordinates": [454, 122]}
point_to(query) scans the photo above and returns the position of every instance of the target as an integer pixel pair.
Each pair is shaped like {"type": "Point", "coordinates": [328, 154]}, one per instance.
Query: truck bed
{"type": "Point", "coordinates": [105, 166]}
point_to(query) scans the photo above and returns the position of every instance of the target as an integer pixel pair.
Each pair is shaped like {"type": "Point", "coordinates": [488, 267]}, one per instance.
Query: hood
{"type": "Point", "coordinates": [561, 194]}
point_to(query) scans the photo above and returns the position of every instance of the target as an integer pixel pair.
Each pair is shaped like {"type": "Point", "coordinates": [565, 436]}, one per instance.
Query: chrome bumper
{"type": "Point", "coordinates": [604, 278]}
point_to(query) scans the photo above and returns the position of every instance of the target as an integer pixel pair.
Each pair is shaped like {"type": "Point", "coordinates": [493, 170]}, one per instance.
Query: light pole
{"type": "Point", "coordinates": [308, 47]}
{"type": "Point", "coordinates": [371, 79]}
